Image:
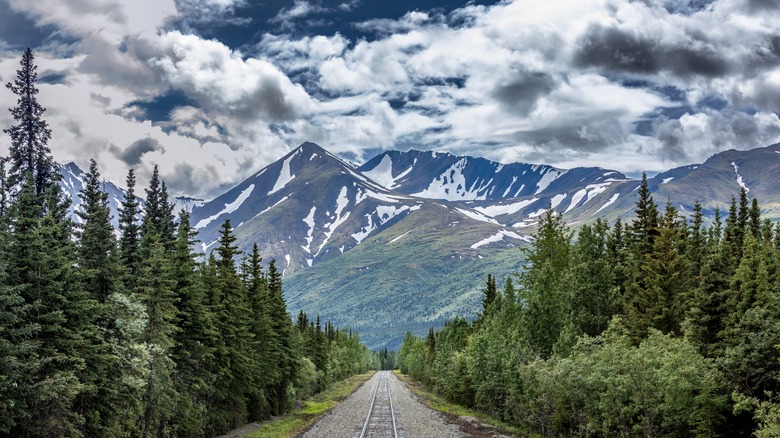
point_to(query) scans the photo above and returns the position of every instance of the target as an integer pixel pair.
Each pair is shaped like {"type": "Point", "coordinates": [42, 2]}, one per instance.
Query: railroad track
{"type": "Point", "coordinates": [380, 421]}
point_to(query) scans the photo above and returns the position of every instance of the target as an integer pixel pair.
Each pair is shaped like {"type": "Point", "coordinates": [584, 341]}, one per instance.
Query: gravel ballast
{"type": "Point", "coordinates": [413, 418]}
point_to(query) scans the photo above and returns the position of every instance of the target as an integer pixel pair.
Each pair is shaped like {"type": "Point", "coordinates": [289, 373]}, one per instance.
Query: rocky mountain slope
{"type": "Point", "coordinates": [405, 240]}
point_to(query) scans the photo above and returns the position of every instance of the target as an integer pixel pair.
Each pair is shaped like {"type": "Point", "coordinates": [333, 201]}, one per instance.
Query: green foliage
{"type": "Point", "coordinates": [137, 338]}
{"type": "Point", "coordinates": [667, 330]}
{"type": "Point", "coordinates": [29, 152]}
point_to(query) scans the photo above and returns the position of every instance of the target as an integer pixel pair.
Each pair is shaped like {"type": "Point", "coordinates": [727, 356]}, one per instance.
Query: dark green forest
{"type": "Point", "coordinates": [134, 334]}
{"type": "Point", "coordinates": [658, 327]}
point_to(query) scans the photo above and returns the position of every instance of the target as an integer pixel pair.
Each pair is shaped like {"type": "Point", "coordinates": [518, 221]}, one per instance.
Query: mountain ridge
{"type": "Point", "coordinates": [421, 230]}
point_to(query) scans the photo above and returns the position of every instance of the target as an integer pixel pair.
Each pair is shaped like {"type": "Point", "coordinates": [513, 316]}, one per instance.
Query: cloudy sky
{"type": "Point", "coordinates": [213, 90]}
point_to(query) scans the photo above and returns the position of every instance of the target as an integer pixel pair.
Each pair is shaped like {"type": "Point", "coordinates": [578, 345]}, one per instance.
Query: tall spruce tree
{"type": "Point", "coordinates": [233, 318]}
{"type": "Point", "coordinates": [546, 310]}
{"type": "Point", "coordinates": [3, 188]}
{"type": "Point", "coordinates": [98, 253]}
{"type": "Point", "coordinates": [256, 288]}
{"type": "Point", "coordinates": [29, 151]}
{"type": "Point", "coordinates": [644, 227]}
{"type": "Point", "coordinates": [156, 291]}
{"type": "Point", "coordinates": [284, 355]}
{"type": "Point", "coordinates": [42, 269]}
{"type": "Point", "coordinates": [100, 268]}
{"type": "Point", "coordinates": [129, 241]}
{"type": "Point", "coordinates": [195, 339]}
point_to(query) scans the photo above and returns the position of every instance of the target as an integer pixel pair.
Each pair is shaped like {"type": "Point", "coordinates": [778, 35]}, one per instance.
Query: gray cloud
{"type": "Point", "coordinates": [521, 93]}
{"type": "Point", "coordinates": [762, 5]}
{"type": "Point", "coordinates": [587, 136]}
{"type": "Point", "coordinates": [132, 154]}
{"type": "Point", "coordinates": [671, 134]}
{"type": "Point", "coordinates": [626, 51]}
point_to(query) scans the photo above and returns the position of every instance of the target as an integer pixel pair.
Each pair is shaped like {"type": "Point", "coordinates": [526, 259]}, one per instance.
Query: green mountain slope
{"type": "Point", "coordinates": [410, 276]}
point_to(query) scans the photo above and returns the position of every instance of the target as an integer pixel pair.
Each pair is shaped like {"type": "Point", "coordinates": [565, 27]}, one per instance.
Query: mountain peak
{"type": "Point", "coordinates": [308, 148]}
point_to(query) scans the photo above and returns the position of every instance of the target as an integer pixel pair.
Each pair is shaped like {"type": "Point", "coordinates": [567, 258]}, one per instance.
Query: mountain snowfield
{"type": "Point", "coordinates": [379, 246]}
{"type": "Point", "coordinates": [311, 206]}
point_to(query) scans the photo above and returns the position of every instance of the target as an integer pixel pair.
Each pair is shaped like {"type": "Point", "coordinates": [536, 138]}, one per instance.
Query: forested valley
{"type": "Point", "coordinates": [135, 334]}
{"type": "Point", "coordinates": [658, 327]}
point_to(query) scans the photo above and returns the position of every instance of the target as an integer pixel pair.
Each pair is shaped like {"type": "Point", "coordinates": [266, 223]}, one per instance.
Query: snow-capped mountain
{"type": "Point", "coordinates": [381, 245]}
{"type": "Point", "coordinates": [311, 206]}
{"type": "Point", "coordinates": [512, 194]}
{"type": "Point", "coordinates": [449, 177]}
{"type": "Point", "coordinates": [186, 203]}
{"type": "Point", "coordinates": [72, 183]}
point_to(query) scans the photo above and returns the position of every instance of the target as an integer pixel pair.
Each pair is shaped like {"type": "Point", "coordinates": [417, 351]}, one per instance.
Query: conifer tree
{"type": "Point", "coordinates": [284, 356]}
{"type": "Point", "coordinates": [546, 311]}
{"type": "Point", "coordinates": [233, 317]}
{"type": "Point", "coordinates": [98, 255]}
{"type": "Point", "coordinates": [260, 326]}
{"type": "Point", "coordinates": [100, 268]}
{"type": "Point", "coordinates": [3, 188]}
{"type": "Point", "coordinates": [658, 297]}
{"type": "Point", "coordinates": [130, 233]}
{"type": "Point", "coordinates": [156, 291]}
{"type": "Point", "coordinates": [42, 269]}
{"type": "Point", "coordinates": [754, 219]}
{"type": "Point", "coordinates": [17, 343]}
{"type": "Point", "coordinates": [195, 339]}
{"type": "Point", "coordinates": [29, 152]}
{"type": "Point", "coordinates": [644, 227]}
{"type": "Point", "coordinates": [591, 289]}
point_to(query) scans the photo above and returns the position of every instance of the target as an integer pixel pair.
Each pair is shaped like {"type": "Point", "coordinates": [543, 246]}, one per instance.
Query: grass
{"type": "Point", "coordinates": [438, 403]}
{"type": "Point", "coordinates": [296, 422]}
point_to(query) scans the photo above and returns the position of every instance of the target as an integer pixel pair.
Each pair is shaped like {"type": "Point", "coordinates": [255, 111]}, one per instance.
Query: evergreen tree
{"type": "Point", "coordinates": [644, 227]}
{"type": "Point", "coordinates": [156, 291]}
{"type": "Point", "coordinates": [284, 355]}
{"type": "Point", "coordinates": [546, 310]}
{"type": "Point", "coordinates": [17, 344]}
{"type": "Point", "coordinates": [42, 269]}
{"type": "Point", "coordinates": [195, 339]}
{"type": "Point", "coordinates": [130, 233]}
{"type": "Point", "coordinates": [100, 268]}
{"type": "Point", "coordinates": [233, 318]}
{"type": "Point", "coordinates": [158, 217]}
{"type": "Point", "coordinates": [29, 152]}
{"type": "Point", "coordinates": [3, 188]}
{"type": "Point", "coordinates": [257, 293]}
{"type": "Point", "coordinates": [754, 219]}
{"type": "Point", "coordinates": [98, 254]}
{"type": "Point", "coordinates": [659, 293]}
{"type": "Point", "coordinates": [592, 293]}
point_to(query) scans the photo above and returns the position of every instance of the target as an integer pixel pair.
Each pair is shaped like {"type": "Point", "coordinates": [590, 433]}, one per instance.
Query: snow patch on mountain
{"type": "Point", "coordinates": [591, 190]}
{"type": "Point", "coordinates": [342, 202]}
{"type": "Point", "coordinates": [338, 219]}
{"type": "Point", "coordinates": [476, 216]}
{"type": "Point", "coordinates": [498, 237]}
{"type": "Point", "coordinates": [506, 192]}
{"type": "Point", "coordinates": [284, 176]}
{"type": "Point", "coordinates": [548, 177]}
{"type": "Point", "coordinates": [229, 208]}
{"type": "Point", "coordinates": [557, 199]}
{"type": "Point", "coordinates": [666, 180]}
{"type": "Point", "coordinates": [739, 177]}
{"type": "Point", "coordinates": [610, 202]}
{"type": "Point", "coordinates": [383, 173]}
{"type": "Point", "coordinates": [309, 220]}
{"type": "Point", "coordinates": [384, 213]}
{"type": "Point", "coordinates": [498, 210]}
{"type": "Point", "coordinates": [451, 185]}
{"type": "Point", "coordinates": [398, 238]}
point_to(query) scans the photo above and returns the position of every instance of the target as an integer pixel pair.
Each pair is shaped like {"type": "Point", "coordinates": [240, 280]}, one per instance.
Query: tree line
{"type": "Point", "coordinates": [133, 333]}
{"type": "Point", "coordinates": [662, 326]}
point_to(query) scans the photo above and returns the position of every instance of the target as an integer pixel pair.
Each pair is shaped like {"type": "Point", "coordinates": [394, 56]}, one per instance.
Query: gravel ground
{"type": "Point", "coordinates": [414, 419]}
